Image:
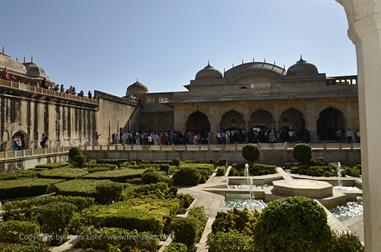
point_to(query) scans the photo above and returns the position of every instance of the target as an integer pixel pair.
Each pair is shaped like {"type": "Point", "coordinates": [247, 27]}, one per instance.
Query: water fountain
{"type": "Point", "coordinates": [248, 180]}
{"type": "Point", "coordinates": [339, 175]}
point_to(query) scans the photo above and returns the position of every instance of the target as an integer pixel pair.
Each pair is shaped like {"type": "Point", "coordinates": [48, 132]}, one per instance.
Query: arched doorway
{"type": "Point", "coordinates": [20, 140]}
{"type": "Point", "coordinates": [198, 122]}
{"type": "Point", "coordinates": [331, 124]}
{"type": "Point", "coordinates": [262, 119]}
{"type": "Point", "coordinates": [232, 120]}
{"type": "Point", "coordinates": [292, 126]}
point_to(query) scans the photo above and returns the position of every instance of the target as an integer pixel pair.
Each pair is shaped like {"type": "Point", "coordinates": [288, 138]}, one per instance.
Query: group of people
{"type": "Point", "coordinates": [229, 136]}
{"type": "Point", "coordinates": [339, 135]}
{"type": "Point", "coordinates": [55, 87]}
{"type": "Point", "coordinates": [17, 143]}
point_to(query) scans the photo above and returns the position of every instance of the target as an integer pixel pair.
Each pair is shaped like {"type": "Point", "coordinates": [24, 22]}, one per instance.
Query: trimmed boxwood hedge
{"type": "Point", "coordinates": [250, 152]}
{"type": "Point", "coordinates": [31, 246]}
{"type": "Point", "coordinates": [53, 165]}
{"type": "Point", "coordinates": [26, 209]}
{"type": "Point", "coordinates": [64, 173]}
{"type": "Point", "coordinates": [292, 224]}
{"type": "Point", "coordinates": [146, 214]}
{"type": "Point", "coordinates": [187, 177]}
{"type": "Point", "coordinates": [17, 231]}
{"type": "Point", "coordinates": [176, 247]}
{"type": "Point", "coordinates": [25, 187]}
{"type": "Point", "coordinates": [100, 167]}
{"type": "Point", "coordinates": [79, 187]}
{"type": "Point", "coordinates": [30, 173]}
{"type": "Point", "coordinates": [102, 238]}
{"type": "Point", "coordinates": [302, 153]}
{"type": "Point", "coordinates": [120, 175]}
{"type": "Point", "coordinates": [254, 169]}
{"type": "Point", "coordinates": [230, 241]}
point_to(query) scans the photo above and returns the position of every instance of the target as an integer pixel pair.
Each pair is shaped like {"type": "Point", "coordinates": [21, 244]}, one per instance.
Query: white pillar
{"type": "Point", "coordinates": [364, 19]}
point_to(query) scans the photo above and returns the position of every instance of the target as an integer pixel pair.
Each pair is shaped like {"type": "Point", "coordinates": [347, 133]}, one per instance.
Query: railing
{"type": "Point", "coordinates": [220, 147]}
{"type": "Point", "coordinates": [20, 154]}
{"type": "Point", "coordinates": [44, 91]}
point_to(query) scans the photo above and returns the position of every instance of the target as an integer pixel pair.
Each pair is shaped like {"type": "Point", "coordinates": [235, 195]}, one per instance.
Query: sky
{"type": "Point", "coordinates": [107, 44]}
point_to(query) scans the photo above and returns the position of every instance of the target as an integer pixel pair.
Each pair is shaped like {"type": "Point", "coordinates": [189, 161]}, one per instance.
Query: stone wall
{"type": "Point", "coordinates": [113, 114]}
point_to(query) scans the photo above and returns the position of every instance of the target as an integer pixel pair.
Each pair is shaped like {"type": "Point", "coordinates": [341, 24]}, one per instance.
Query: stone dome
{"type": "Point", "coordinates": [34, 70]}
{"type": "Point", "coordinates": [136, 88]}
{"type": "Point", "coordinates": [208, 73]}
{"type": "Point", "coordinates": [10, 64]}
{"type": "Point", "coordinates": [302, 68]}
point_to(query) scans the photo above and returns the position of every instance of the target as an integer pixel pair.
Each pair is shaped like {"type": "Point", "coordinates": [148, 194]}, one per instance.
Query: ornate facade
{"type": "Point", "coordinates": [254, 95]}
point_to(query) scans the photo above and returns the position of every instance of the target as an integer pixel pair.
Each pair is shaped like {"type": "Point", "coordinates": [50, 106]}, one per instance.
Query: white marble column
{"type": "Point", "coordinates": [364, 19]}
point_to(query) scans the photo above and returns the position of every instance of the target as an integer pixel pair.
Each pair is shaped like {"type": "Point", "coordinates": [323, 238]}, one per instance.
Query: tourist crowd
{"type": "Point", "coordinates": [51, 86]}
{"type": "Point", "coordinates": [254, 135]}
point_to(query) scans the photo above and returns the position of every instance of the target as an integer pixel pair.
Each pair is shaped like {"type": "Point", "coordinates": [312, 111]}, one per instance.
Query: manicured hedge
{"type": "Point", "coordinates": [254, 169]}
{"type": "Point", "coordinates": [108, 192]}
{"type": "Point", "coordinates": [117, 162]}
{"type": "Point", "coordinates": [292, 224]}
{"type": "Point", "coordinates": [100, 167]}
{"type": "Point", "coordinates": [187, 177]}
{"type": "Point", "coordinates": [240, 220]}
{"type": "Point", "coordinates": [176, 247]}
{"type": "Point", "coordinates": [198, 214]}
{"type": "Point", "coordinates": [25, 187]}
{"type": "Point", "coordinates": [54, 219]}
{"type": "Point", "coordinates": [153, 176]}
{"type": "Point", "coordinates": [26, 209]}
{"type": "Point", "coordinates": [140, 214]}
{"type": "Point", "coordinates": [317, 171]}
{"type": "Point", "coordinates": [80, 187]}
{"type": "Point", "coordinates": [27, 247]}
{"type": "Point", "coordinates": [30, 173]}
{"type": "Point", "coordinates": [302, 153]}
{"type": "Point", "coordinates": [64, 173]}
{"type": "Point", "coordinates": [18, 231]}
{"type": "Point", "coordinates": [127, 240]}
{"type": "Point", "coordinates": [120, 175]}
{"type": "Point", "coordinates": [250, 152]}
{"type": "Point", "coordinates": [185, 231]}
{"type": "Point", "coordinates": [53, 165]}
{"type": "Point", "coordinates": [230, 241]}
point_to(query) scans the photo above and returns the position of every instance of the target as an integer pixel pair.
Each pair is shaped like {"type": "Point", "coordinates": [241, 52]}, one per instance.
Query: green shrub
{"type": "Point", "coordinates": [302, 153]}
{"type": "Point", "coordinates": [79, 161]}
{"type": "Point", "coordinates": [79, 187]}
{"type": "Point", "coordinates": [242, 221]}
{"type": "Point", "coordinates": [250, 152]}
{"type": "Point", "coordinates": [25, 187]}
{"type": "Point", "coordinates": [230, 241]}
{"type": "Point", "coordinates": [185, 200]}
{"type": "Point", "coordinates": [18, 174]}
{"type": "Point", "coordinates": [176, 247]}
{"type": "Point", "coordinates": [316, 171]}
{"type": "Point", "coordinates": [26, 209]}
{"type": "Point", "coordinates": [53, 165]}
{"type": "Point", "coordinates": [346, 242]}
{"type": "Point", "coordinates": [164, 168]}
{"type": "Point", "coordinates": [63, 173]}
{"type": "Point", "coordinates": [292, 224]}
{"type": "Point", "coordinates": [150, 177]}
{"type": "Point", "coordinates": [100, 167]}
{"type": "Point", "coordinates": [220, 171]}
{"type": "Point", "coordinates": [141, 214]}
{"type": "Point", "coordinates": [108, 193]}
{"type": "Point", "coordinates": [176, 162]}
{"type": "Point", "coordinates": [127, 240]}
{"type": "Point", "coordinates": [159, 190]}
{"type": "Point", "coordinates": [261, 169]}
{"type": "Point", "coordinates": [18, 231]}
{"type": "Point", "coordinates": [187, 177]}
{"type": "Point", "coordinates": [120, 175]}
{"type": "Point", "coordinates": [117, 162]}
{"type": "Point", "coordinates": [32, 246]}
{"type": "Point", "coordinates": [185, 231]}
{"type": "Point", "coordinates": [75, 151]}
{"type": "Point", "coordinates": [54, 219]}
{"type": "Point", "coordinates": [223, 162]}
{"type": "Point", "coordinates": [198, 214]}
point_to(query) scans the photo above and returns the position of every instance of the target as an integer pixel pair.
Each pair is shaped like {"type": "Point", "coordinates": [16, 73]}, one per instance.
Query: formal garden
{"type": "Point", "coordinates": [135, 205]}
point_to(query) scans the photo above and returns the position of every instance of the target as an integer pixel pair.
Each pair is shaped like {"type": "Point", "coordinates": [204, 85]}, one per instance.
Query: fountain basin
{"type": "Point", "coordinates": [302, 187]}
{"type": "Point", "coordinates": [241, 201]}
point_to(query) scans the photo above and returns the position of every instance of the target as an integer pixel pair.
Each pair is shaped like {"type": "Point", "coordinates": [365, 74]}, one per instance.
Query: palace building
{"type": "Point", "coordinates": [250, 95]}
